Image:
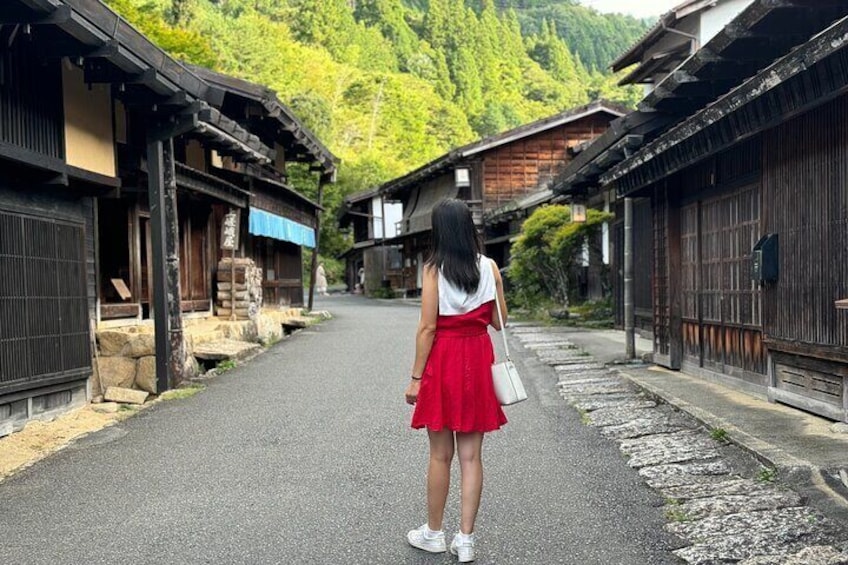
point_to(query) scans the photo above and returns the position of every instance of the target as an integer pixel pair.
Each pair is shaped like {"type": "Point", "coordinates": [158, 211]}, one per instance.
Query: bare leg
{"type": "Point", "coordinates": [470, 447]}
{"type": "Point", "coordinates": [438, 476]}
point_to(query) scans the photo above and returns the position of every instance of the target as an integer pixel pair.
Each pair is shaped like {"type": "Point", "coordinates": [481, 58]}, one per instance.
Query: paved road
{"type": "Point", "coordinates": [305, 455]}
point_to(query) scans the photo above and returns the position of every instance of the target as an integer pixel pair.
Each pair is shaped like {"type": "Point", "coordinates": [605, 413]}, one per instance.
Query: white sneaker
{"type": "Point", "coordinates": [426, 539]}
{"type": "Point", "coordinates": [463, 547]}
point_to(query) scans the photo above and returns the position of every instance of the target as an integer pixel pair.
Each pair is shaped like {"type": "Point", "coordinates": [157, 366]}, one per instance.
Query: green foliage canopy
{"type": "Point", "coordinates": [547, 251]}
{"type": "Point", "coordinates": [389, 85]}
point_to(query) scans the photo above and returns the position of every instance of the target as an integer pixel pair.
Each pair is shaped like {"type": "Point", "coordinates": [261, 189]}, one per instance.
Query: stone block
{"type": "Point", "coordinates": [105, 407]}
{"type": "Point", "coordinates": [652, 424]}
{"type": "Point", "coordinates": [125, 395]}
{"type": "Point", "coordinates": [145, 376]}
{"type": "Point", "coordinates": [141, 345]}
{"type": "Point", "coordinates": [622, 402]}
{"type": "Point", "coordinates": [699, 508]}
{"type": "Point", "coordinates": [239, 331]}
{"type": "Point", "coordinates": [783, 523]}
{"type": "Point", "coordinates": [663, 449]}
{"type": "Point", "coordinates": [813, 555]}
{"type": "Point", "coordinates": [112, 342]}
{"type": "Point", "coordinates": [731, 486]}
{"type": "Point", "coordinates": [322, 314]}
{"type": "Point", "coordinates": [665, 476]}
{"type": "Point", "coordinates": [225, 349]}
{"type": "Point", "coordinates": [116, 371]}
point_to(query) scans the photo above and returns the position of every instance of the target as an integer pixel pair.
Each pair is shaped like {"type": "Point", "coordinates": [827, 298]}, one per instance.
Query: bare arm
{"type": "Point", "coordinates": [426, 330]}
{"type": "Point", "coordinates": [496, 323]}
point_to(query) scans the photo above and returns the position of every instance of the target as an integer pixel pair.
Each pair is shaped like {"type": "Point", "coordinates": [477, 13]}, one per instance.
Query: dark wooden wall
{"type": "Point", "coordinates": [526, 165]}
{"type": "Point", "coordinates": [278, 202]}
{"type": "Point", "coordinates": [707, 307]}
{"type": "Point", "coordinates": [805, 196]}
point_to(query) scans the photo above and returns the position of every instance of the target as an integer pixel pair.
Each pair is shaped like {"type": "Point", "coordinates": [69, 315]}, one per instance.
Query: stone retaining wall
{"type": "Point", "coordinates": [126, 355]}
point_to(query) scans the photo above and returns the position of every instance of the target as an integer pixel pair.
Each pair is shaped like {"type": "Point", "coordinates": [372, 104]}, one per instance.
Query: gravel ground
{"type": "Point", "coordinates": [305, 454]}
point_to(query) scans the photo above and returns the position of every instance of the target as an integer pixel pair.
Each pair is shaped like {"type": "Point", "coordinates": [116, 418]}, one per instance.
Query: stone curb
{"type": "Point", "coordinates": [808, 479]}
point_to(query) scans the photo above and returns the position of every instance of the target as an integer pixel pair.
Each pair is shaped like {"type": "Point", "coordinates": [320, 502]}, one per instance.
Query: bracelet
{"type": "Point", "coordinates": [415, 378]}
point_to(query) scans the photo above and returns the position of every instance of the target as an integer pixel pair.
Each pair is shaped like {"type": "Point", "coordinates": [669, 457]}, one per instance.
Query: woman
{"type": "Point", "coordinates": [321, 280]}
{"type": "Point", "coordinates": [451, 380]}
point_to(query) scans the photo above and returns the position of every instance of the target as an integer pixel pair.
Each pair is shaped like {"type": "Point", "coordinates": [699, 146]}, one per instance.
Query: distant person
{"type": "Point", "coordinates": [321, 280]}
{"type": "Point", "coordinates": [361, 276]}
{"type": "Point", "coordinates": [451, 382]}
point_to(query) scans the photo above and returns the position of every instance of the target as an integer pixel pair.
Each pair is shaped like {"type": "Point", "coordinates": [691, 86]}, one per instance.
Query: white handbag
{"type": "Point", "coordinates": [508, 386]}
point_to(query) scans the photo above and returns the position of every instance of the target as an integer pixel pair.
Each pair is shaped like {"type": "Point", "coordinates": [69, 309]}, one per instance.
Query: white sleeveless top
{"type": "Point", "coordinates": [454, 301]}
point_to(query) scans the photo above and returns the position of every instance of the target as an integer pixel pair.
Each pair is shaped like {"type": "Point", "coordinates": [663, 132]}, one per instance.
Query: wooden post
{"type": "Point", "coordinates": [317, 241]}
{"type": "Point", "coordinates": [164, 229]}
{"type": "Point", "coordinates": [385, 276]}
{"type": "Point", "coordinates": [233, 284]}
{"type": "Point", "coordinates": [629, 321]}
{"type": "Point", "coordinates": [675, 291]}
{"type": "Point", "coordinates": [159, 298]}
{"type": "Point", "coordinates": [176, 358]}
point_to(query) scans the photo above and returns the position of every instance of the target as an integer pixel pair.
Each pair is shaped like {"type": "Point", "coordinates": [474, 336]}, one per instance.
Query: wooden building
{"type": "Point", "coordinates": [489, 174]}
{"type": "Point", "coordinates": [696, 53]}
{"type": "Point", "coordinates": [747, 200]}
{"type": "Point", "coordinates": [96, 122]}
{"type": "Point", "coordinates": [280, 221]}
{"type": "Point", "coordinates": [370, 263]}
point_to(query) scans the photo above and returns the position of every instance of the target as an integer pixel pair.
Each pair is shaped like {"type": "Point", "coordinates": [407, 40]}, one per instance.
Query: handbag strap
{"type": "Point", "coordinates": [500, 318]}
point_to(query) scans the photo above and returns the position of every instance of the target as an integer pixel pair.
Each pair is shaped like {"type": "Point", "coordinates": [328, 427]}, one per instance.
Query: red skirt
{"type": "Point", "coordinates": [456, 391]}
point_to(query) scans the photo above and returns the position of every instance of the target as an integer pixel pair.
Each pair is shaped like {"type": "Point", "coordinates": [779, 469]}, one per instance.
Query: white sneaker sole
{"type": "Point", "coordinates": [462, 560]}
{"type": "Point", "coordinates": [428, 548]}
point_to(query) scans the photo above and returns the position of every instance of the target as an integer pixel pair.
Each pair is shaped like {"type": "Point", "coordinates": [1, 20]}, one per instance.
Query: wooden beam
{"type": "Point", "coordinates": [765, 88]}
{"type": "Point", "coordinates": [62, 14]}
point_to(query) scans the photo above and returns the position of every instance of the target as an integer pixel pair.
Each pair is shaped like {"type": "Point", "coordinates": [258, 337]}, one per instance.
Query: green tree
{"type": "Point", "coordinates": [546, 252]}
{"type": "Point", "coordinates": [388, 17]}
{"type": "Point", "coordinates": [184, 44]}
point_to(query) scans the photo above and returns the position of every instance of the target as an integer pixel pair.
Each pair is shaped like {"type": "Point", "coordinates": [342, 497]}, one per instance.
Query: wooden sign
{"type": "Point", "coordinates": [122, 289]}
{"type": "Point", "coordinates": [230, 231]}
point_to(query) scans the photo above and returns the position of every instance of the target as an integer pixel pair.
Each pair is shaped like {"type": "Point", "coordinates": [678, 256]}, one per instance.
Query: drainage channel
{"type": "Point", "coordinates": [722, 502]}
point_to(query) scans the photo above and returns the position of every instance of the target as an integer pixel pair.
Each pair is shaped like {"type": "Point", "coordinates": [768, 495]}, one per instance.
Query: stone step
{"type": "Point", "coordinates": [296, 323]}
{"type": "Point", "coordinates": [224, 350]}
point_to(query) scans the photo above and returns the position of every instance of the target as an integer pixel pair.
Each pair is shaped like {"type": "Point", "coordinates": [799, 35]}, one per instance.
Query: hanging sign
{"type": "Point", "coordinates": [230, 231]}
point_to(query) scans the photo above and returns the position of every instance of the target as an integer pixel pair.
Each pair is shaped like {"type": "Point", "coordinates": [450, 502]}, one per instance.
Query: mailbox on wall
{"type": "Point", "coordinates": [764, 259]}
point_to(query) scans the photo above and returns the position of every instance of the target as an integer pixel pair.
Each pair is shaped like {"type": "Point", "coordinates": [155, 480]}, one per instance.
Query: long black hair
{"type": "Point", "coordinates": [455, 244]}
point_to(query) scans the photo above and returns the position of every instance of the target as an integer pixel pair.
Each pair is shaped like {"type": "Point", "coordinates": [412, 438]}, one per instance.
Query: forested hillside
{"type": "Point", "coordinates": [596, 38]}
{"type": "Point", "coordinates": [391, 84]}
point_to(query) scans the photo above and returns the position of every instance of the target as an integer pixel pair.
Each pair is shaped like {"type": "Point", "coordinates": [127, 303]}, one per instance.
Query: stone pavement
{"type": "Point", "coordinates": [727, 505]}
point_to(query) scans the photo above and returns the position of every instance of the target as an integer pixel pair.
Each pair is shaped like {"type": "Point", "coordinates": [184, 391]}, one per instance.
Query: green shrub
{"type": "Point", "coordinates": [546, 252]}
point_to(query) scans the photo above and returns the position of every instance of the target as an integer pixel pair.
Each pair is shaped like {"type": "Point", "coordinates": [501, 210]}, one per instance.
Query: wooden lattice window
{"type": "Point", "coordinates": [716, 258]}
{"type": "Point", "coordinates": [741, 295]}
{"type": "Point", "coordinates": [689, 261]}
{"type": "Point", "coordinates": [44, 328]}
